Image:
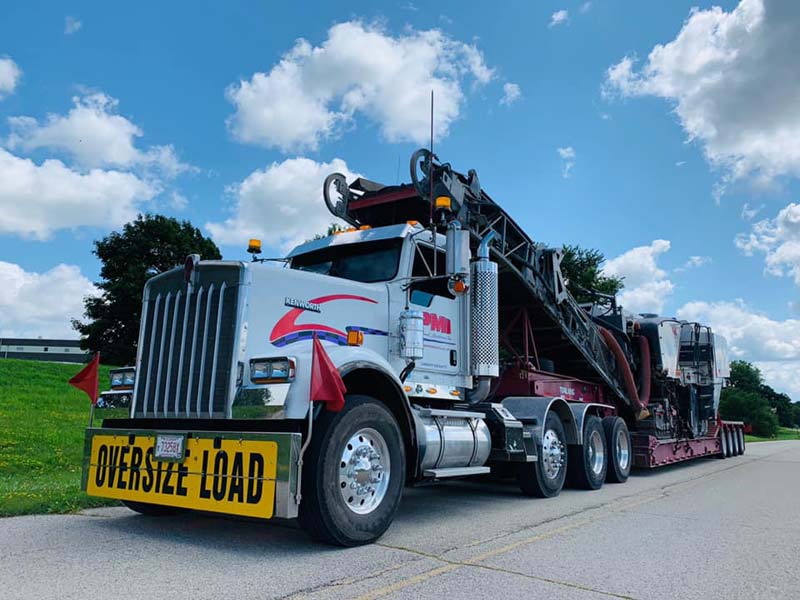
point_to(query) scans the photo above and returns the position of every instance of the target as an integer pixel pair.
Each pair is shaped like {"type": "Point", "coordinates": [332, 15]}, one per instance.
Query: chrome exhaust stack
{"type": "Point", "coordinates": [485, 337]}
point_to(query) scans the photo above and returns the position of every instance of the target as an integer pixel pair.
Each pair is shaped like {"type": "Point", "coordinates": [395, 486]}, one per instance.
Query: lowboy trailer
{"type": "Point", "coordinates": [459, 346]}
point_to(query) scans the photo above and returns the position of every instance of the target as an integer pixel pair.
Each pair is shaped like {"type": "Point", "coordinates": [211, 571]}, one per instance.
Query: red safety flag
{"type": "Point", "coordinates": [326, 383]}
{"type": "Point", "coordinates": [86, 380]}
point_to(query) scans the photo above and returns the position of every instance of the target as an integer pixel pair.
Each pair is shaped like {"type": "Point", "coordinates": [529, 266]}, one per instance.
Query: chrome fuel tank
{"type": "Point", "coordinates": [451, 438]}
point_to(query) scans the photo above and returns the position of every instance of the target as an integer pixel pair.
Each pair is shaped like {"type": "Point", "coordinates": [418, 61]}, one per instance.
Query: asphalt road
{"type": "Point", "coordinates": [710, 529]}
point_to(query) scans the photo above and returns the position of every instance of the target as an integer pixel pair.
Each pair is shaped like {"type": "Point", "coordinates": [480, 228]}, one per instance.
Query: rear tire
{"type": "Point", "coordinates": [731, 447]}
{"type": "Point", "coordinates": [724, 444]}
{"type": "Point", "coordinates": [353, 474]}
{"type": "Point", "coordinates": [545, 477]}
{"type": "Point", "coordinates": [588, 463]}
{"type": "Point", "coordinates": [741, 440]}
{"type": "Point", "coordinates": [153, 510]}
{"type": "Point", "coordinates": [619, 449]}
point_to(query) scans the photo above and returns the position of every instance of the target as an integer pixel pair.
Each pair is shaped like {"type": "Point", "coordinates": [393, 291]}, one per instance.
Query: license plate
{"type": "Point", "coordinates": [169, 447]}
{"type": "Point", "coordinates": [231, 476]}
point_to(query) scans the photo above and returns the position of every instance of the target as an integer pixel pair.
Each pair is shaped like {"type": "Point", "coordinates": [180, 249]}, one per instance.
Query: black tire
{"type": "Point", "coordinates": [731, 447]}
{"type": "Point", "coordinates": [742, 443]}
{"type": "Point", "coordinates": [324, 512]}
{"type": "Point", "coordinates": [153, 510]}
{"type": "Point", "coordinates": [618, 440]}
{"type": "Point", "coordinates": [588, 462]}
{"type": "Point", "coordinates": [532, 477]}
{"type": "Point", "coordinates": [723, 444]}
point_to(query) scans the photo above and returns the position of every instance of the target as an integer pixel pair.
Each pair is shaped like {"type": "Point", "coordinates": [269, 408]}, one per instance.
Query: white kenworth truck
{"type": "Point", "coordinates": [461, 351]}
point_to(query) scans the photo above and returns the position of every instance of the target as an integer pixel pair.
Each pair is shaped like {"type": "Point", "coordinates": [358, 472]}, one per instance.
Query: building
{"type": "Point", "coordinates": [43, 349]}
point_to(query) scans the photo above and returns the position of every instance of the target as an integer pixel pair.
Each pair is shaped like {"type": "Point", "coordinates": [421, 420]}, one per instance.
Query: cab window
{"type": "Point", "coordinates": [423, 292]}
{"type": "Point", "coordinates": [367, 262]}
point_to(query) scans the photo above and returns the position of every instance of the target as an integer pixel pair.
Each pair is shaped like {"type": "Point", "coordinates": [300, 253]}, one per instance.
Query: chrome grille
{"type": "Point", "coordinates": [187, 342]}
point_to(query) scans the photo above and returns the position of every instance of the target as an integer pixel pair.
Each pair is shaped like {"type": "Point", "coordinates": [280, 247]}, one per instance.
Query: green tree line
{"type": "Point", "coordinates": [751, 400]}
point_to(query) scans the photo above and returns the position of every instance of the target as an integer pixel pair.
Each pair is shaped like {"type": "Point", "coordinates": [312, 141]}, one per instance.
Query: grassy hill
{"type": "Point", "coordinates": [42, 422]}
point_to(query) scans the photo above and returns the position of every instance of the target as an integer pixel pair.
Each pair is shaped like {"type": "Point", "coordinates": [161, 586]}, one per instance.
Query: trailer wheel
{"type": "Point", "coordinates": [153, 510]}
{"type": "Point", "coordinates": [731, 447]}
{"type": "Point", "coordinates": [588, 462]}
{"type": "Point", "coordinates": [724, 442]}
{"type": "Point", "coordinates": [620, 449]}
{"type": "Point", "coordinates": [353, 474]}
{"type": "Point", "coordinates": [736, 445]}
{"type": "Point", "coordinates": [545, 477]}
{"type": "Point", "coordinates": [740, 433]}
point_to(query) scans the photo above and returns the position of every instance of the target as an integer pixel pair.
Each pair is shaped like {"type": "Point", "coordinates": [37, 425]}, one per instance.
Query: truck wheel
{"type": "Point", "coordinates": [545, 477]}
{"type": "Point", "coordinates": [353, 474]}
{"type": "Point", "coordinates": [588, 462]}
{"type": "Point", "coordinates": [618, 443]}
{"type": "Point", "coordinates": [153, 510]}
{"type": "Point", "coordinates": [740, 433]}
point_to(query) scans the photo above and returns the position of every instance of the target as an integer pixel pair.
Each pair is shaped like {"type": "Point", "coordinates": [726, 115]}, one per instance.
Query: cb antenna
{"type": "Point", "coordinates": [430, 183]}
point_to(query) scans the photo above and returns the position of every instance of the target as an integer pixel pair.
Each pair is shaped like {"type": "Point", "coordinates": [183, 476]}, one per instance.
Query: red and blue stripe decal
{"type": "Point", "coordinates": [288, 331]}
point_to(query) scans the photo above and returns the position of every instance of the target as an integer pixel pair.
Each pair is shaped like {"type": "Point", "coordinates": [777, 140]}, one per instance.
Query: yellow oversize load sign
{"type": "Point", "coordinates": [230, 476]}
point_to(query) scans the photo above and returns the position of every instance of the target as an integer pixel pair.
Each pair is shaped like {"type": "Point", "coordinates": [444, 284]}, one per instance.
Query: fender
{"type": "Point", "coordinates": [581, 409]}
{"type": "Point", "coordinates": [532, 411]}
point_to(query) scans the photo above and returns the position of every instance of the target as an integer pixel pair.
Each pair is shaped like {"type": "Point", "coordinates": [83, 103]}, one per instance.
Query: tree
{"type": "Point", "coordinates": [739, 404]}
{"type": "Point", "coordinates": [746, 376]}
{"type": "Point", "coordinates": [332, 228]}
{"type": "Point", "coordinates": [582, 268]}
{"type": "Point", "coordinates": [145, 247]}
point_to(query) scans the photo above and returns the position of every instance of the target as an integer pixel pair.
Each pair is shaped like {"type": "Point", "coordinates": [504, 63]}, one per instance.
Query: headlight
{"type": "Point", "coordinates": [272, 370]}
{"type": "Point", "coordinates": [123, 378]}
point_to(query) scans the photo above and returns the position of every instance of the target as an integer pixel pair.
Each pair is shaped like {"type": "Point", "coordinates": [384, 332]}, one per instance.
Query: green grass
{"type": "Point", "coordinates": [784, 433]}
{"type": "Point", "coordinates": [42, 422]}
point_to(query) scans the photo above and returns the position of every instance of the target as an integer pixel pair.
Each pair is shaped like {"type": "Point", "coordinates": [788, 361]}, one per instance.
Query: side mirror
{"type": "Point", "coordinates": [457, 251]}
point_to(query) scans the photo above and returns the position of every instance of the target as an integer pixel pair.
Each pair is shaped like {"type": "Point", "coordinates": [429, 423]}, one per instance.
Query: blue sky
{"type": "Point", "coordinates": [640, 129]}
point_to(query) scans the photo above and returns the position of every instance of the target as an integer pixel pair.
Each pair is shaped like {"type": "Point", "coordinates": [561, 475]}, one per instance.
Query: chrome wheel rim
{"type": "Point", "coordinates": [552, 454]}
{"type": "Point", "coordinates": [597, 453]}
{"type": "Point", "coordinates": [623, 450]}
{"type": "Point", "coordinates": [364, 471]}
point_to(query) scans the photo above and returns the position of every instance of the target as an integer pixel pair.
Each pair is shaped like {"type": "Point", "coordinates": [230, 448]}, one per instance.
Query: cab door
{"type": "Point", "coordinates": [444, 315]}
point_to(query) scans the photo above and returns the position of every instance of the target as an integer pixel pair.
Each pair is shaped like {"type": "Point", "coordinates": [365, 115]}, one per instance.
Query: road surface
{"type": "Point", "coordinates": [710, 529]}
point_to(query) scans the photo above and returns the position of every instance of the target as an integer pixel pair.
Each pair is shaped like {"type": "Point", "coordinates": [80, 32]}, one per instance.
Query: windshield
{"type": "Point", "coordinates": [367, 262]}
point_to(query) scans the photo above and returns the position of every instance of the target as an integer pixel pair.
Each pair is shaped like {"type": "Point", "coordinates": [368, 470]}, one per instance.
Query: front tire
{"type": "Point", "coordinates": [588, 462]}
{"type": "Point", "coordinates": [620, 449]}
{"type": "Point", "coordinates": [545, 477]}
{"type": "Point", "coordinates": [353, 474]}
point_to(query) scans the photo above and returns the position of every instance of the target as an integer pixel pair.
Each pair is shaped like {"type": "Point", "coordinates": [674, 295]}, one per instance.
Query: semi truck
{"type": "Point", "coordinates": [456, 346]}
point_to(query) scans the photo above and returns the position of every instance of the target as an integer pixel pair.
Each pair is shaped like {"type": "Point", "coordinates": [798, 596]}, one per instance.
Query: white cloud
{"type": "Point", "coordinates": [9, 76]}
{"type": "Point", "coordinates": [694, 262]}
{"type": "Point", "coordinates": [749, 212]}
{"type": "Point", "coordinates": [646, 284]}
{"type": "Point", "coordinates": [25, 313]}
{"type": "Point", "coordinates": [38, 199]}
{"type": "Point", "coordinates": [71, 25]}
{"type": "Point", "coordinates": [779, 240]}
{"type": "Point", "coordinates": [680, 163]}
{"type": "Point", "coordinates": [585, 7]}
{"type": "Point", "coordinates": [316, 91]}
{"type": "Point", "coordinates": [511, 93]}
{"type": "Point", "coordinates": [282, 204]}
{"type": "Point", "coordinates": [732, 78]}
{"type": "Point", "coordinates": [94, 136]}
{"type": "Point", "coordinates": [567, 155]}
{"type": "Point", "coordinates": [559, 18]}
{"type": "Point", "coordinates": [178, 201]}
{"type": "Point", "coordinates": [774, 346]}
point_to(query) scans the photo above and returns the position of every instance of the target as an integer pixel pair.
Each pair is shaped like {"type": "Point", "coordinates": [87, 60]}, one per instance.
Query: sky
{"type": "Point", "coordinates": [664, 134]}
